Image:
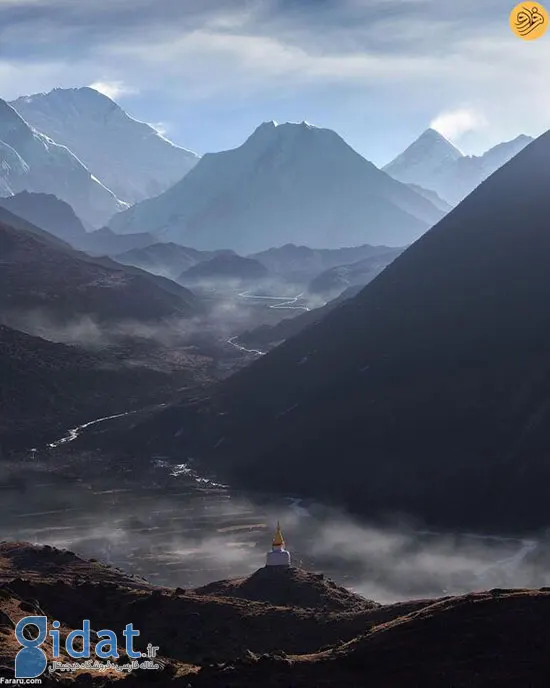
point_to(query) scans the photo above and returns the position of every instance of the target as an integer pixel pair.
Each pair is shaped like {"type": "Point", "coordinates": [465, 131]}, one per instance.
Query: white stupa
{"type": "Point", "coordinates": [278, 556]}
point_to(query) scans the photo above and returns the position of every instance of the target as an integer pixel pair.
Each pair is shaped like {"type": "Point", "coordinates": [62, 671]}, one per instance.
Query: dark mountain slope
{"type": "Point", "coordinates": [333, 282]}
{"type": "Point", "coordinates": [46, 211]}
{"type": "Point", "coordinates": [427, 393]}
{"type": "Point", "coordinates": [169, 259]}
{"type": "Point", "coordinates": [8, 218]}
{"type": "Point", "coordinates": [490, 639]}
{"type": "Point", "coordinates": [226, 267]}
{"type": "Point", "coordinates": [265, 337]}
{"type": "Point", "coordinates": [104, 242]}
{"type": "Point", "coordinates": [129, 318]}
{"type": "Point", "coordinates": [62, 284]}
{"type": "Point", "coordinates": [46, 387]}
{"type": "Point", "coordinates": [164, 283]}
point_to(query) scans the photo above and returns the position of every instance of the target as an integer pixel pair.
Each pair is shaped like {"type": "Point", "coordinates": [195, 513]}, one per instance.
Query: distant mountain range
{"type": "Point", "coordinates": [303, 263]}
{"type": "Point", "coordinates": [170, 260]}
{"type": "Point", "coordinates": [131, 158]}
{"type": "Point", "coordinates": [428, 393]}
{"type": "Point", "coordinates": [434, 163]}
{"type": "Point", "coordinates": [287, 183]}
{"type": "Point", "coordinates": [31, 161]}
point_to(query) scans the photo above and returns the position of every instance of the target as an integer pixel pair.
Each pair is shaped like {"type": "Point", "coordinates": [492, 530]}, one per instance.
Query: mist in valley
{"type": "Point", "coordinates": [224, 312]}
{"type": "Point", "coordinates": [179, 529]}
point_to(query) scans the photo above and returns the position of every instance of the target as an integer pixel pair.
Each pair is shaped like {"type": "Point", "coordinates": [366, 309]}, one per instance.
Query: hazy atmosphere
{"type": "Point", "coordinates": [207, 72]}
{"type": "Point", "coordinates": [274, 343]}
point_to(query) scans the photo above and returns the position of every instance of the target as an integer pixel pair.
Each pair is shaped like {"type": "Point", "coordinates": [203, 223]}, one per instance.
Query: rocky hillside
{"type": "Point", "coordinates": [48, 387]}
{"type": "Point", "coordinates": [289, 587]}
{"type": "Point", "coordinates": [46, 281]}
{"type": "Point", "coordinates": [83, 338]}
{"type": "Point", "coordinates": [209, 640]}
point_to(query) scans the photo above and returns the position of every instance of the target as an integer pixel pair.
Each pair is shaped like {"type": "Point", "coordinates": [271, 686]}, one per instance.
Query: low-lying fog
{"type": "Point", "coordinates": [189, 532]}
{"type": "Point", "coordinates": [223, 314]}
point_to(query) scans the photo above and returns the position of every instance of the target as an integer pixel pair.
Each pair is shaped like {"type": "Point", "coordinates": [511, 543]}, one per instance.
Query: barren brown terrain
{"type": "Point", "coordinates": [279, 627]}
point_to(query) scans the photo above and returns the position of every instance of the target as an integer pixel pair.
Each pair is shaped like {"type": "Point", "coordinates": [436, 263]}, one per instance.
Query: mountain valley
{"type": "Point", "coordinates": [198, 351]}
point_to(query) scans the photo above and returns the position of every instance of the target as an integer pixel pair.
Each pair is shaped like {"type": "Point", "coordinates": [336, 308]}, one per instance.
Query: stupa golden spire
{"type": "Point", "coordinates": [278, 556]}
{"type": "Point", "coordinates": [278, 540]}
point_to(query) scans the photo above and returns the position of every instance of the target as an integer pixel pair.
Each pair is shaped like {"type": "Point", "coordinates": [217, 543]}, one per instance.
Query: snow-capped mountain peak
{"type": "Point", "coordinates": [128, 156]}
{"type": "Point", "coordinates": [421, 160]}
{"type": "Point", "coordinates": [434, 163]}
{"type": "Point", "coordinates": [32, 161]}
{"type": "Point", "coordinates": [286, 182]}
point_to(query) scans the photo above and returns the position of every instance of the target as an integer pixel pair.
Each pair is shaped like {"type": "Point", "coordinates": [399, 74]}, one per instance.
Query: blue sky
{"type": "Point", "coordinates": [209, 71]}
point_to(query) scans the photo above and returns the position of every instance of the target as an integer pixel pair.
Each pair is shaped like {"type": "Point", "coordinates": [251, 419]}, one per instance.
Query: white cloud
{"type": "Point", "coordinates": [250, 54]}
{"type": "Point", "coordinates": [160, 127]}
{"type": "Point", "coordinates": [112, 89]}
{"type": "Point", "coordinates": [454, 123]}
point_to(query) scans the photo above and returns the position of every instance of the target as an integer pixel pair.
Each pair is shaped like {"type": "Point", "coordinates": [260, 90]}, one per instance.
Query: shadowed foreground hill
{"type": "Point", "coordinates": [428, 393]}
{"type": "Point", "coordinates": [208, 640]}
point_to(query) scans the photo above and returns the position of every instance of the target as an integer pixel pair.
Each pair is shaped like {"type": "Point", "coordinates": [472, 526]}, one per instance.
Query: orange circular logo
{"type": "Point", "coordinates": [529, 20]}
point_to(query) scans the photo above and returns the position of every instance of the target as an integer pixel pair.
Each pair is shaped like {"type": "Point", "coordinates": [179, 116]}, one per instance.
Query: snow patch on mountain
{"type": "Point", "coordinates": [32, 161]}
{"type": "Point", "coordinates": [423, 159]}
{"type": "Point", "coordinates": [290, 182]}
{"type": "Point", "coordinates": [434, 163]}
{"type": "Point", "coordinates": [130, 157]}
